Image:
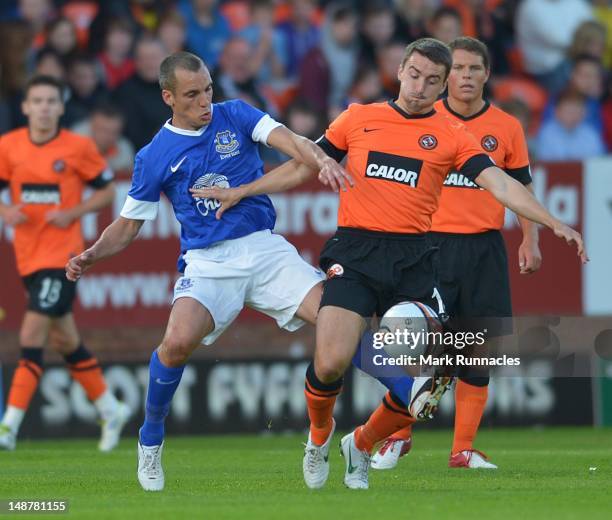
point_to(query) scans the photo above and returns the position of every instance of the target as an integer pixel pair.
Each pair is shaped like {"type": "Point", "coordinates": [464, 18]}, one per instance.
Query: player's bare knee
{"type": "Point", "coordinates": [329, 370]}
{"type": "Point", "coordinates": [62, 346]}
{"type": "Point", "coordinates": [175, 351]}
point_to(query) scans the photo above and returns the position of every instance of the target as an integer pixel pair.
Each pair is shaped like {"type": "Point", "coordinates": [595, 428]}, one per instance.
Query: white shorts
{"type": "Point", "coordinates": [262, 271]}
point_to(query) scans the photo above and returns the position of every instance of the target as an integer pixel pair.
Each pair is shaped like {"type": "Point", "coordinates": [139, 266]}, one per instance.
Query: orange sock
{"type": "Point", "coordinates": [23, 386]}
{"type": "Point", "coordinates": [387, 419]}
{"type": "Point", "coordinates": [404, 433]}
{"type": "Point", "coordinates": [89, 375]}
{"type": "Point", "coordinates": [470, 403]}
{"type": "Point", "coordinates": [320, 401]}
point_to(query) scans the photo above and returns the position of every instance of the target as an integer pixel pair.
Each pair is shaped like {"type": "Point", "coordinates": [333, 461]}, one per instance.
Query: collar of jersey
{"type": "Point", "coordinates": [182, 131]}
{"type": "Point", "coordinates": [466, 118]}
{"type": "Point", "coordinates": [405, 114]}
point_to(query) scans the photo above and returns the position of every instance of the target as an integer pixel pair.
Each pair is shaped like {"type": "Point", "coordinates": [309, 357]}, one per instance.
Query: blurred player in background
{"type": "Point", "coordinates": [46, 169]}
{"type": "Point", "coordinates": [472, 262]}
{"type": "Point", "coordinates": [398, 154]}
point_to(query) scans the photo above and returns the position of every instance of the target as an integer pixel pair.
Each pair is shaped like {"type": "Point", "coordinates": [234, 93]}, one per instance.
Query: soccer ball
{"type": "Point", "coordinates": [406, 329]}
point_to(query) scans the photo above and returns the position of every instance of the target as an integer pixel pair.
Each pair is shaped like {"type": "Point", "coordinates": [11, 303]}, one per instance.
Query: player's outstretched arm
{"type": "Point", "coordinates": [306, 152]}
{"type": "Point", "coordinates": [114, 238]}
{"type": "Point", "coordinates": [282, 178]}
{"type": "Point", "coordinates": [99, 199]}
{"type": "Point", "coordinates": [515, 196]}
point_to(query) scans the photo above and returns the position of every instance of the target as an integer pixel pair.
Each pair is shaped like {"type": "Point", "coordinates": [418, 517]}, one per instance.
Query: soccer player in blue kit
{"type": "Point", "coordinates": [227, 263]}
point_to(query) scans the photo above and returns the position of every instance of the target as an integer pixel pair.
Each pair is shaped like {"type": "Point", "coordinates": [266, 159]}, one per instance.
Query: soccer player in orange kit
{"type": "Point", "coordinates": [46, 169]}
{"type": "Point", "coordinates": [466, 229]}
{"type": "Point", "coordinates": [398, 155]}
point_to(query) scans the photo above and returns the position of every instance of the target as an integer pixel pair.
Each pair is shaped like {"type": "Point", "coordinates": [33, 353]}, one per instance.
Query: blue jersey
{"type": "Point", "coordinates": [223, 153]}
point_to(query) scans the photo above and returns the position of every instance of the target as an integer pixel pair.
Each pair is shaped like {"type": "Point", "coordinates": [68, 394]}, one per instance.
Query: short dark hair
{"type": "Point", "coordinates": [178, 60]}
{"type": "Point", "coordinates": [108, 109]}
{"type": "Point", "coordinates": [469, 44]}
{"type": "Point", "coordinates": [432, 49]}
{"type": "Point", "coordinates": [443, 11]}
{"type": "Point", "coordinates": [569, 95]}
{"type": "Point", "coordinates": [82, 58]}
{"type": "Point", "coordinates": [47, 81]}
{"type": "Point", "coordinates": [586, 58]}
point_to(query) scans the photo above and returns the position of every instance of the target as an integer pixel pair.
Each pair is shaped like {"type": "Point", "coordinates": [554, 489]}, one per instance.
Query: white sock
{"type": "Point", "coordinates": [106, 405]}
{"type": "Point", "coordinates": [13, 417]}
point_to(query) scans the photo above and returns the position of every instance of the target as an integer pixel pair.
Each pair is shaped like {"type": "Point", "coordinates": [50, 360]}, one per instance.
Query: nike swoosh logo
{"type": "Point", "coordinates": [176, 167]}
{"type": "Point", "coordinates": [160, 382]}
{"type": "Point", "coordinates": [371, 129]}
{"type": "Point", "coordinates": [350, 468]}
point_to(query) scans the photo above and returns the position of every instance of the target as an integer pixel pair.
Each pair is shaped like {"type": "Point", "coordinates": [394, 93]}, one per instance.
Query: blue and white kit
{"type": "Point", "coordinates": [237, 260]}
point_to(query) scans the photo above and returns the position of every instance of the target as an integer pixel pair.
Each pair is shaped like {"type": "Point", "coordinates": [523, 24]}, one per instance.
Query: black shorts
{"type": "Point", "coordinates": [368, 272]}
{"type": "Point", "coordinates": [50, 292]}
{"type": "Point", "coordinates": [473, 278]}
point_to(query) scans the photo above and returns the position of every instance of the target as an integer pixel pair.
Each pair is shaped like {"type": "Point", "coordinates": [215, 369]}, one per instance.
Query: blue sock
{"type": "Point", "coordinates": [394, 378]}
{"type": "Point", "coordinates": [163, 382]}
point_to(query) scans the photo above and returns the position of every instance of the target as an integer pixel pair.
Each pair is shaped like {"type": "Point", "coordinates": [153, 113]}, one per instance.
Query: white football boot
{"type": "Point", "coordinates": [150, 471]}
{"type": "Point", "coordinates": [316, 461]}
{"type": "Point", "coordinates": [426, 394]}
{"type": "Point", "coordinates": [8, 439]}
{"type": "Point", "coordinates": [472, 459]}
{"type": "Point", "coordinates": [112, 426]}
{"type": "Point", "coordinates": [390, 452]}
{"type": "Point", "coordinates": [357, 463]}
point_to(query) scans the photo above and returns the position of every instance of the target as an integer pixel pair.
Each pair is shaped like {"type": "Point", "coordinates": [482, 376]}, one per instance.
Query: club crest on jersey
{"type": "Point", "coordinates": [335, 270]}
{"type": "Point", "coordinates": [489, 143]}
{"type": "Point", "coordinates": [428, 141]}
{"type": "Point", "coordinates": [226, 144]}
{"type": "Point", "coordinates": [209, 180]}
{"type": "Point", "coordinates": [184, 284]}
{"type": "Point", "coordinates": [59, 166]}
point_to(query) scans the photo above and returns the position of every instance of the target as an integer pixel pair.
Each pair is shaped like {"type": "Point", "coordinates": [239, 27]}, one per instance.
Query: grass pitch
{"type": "Point", "coordinates": [543, 474]}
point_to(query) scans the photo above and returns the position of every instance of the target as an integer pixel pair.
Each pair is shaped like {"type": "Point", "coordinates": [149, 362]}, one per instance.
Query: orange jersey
{"type": "Point", "coordinates": [43, 178]}
{"type": "Point", "coordinates": [500, 135]}
{"type": "Point", "coordinates": [399, 162]}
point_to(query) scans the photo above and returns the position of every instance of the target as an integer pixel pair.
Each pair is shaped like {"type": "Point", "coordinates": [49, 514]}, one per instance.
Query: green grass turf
{"type": "Point", "coordinates": [543, 474]}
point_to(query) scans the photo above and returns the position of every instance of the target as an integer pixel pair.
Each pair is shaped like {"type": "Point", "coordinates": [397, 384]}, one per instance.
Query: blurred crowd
{"type": "Point", "coordinates": [304, 61]}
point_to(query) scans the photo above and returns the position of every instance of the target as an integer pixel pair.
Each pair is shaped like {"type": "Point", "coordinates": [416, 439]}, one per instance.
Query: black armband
{"type": "Point", "coordinates": [336, 154]}
{"type": "Point", "coordinates": [474, 166]}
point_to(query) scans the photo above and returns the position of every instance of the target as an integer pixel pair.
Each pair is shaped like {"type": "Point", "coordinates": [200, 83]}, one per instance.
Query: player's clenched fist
{"type": "Point", "coordinates": [77, 265]}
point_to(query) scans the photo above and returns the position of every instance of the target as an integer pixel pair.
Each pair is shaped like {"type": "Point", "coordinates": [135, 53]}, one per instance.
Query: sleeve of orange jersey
{"type": "Point", "coordinates": [338, 130]}
{"type": "Point", "coordinates": [517, 161]}
{"type": "Point", "coordinates": [469, 159]}
{"type": "Point", "coordinates": [91, 163]}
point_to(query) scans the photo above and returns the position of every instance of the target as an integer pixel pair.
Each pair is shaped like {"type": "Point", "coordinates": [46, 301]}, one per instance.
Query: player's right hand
{"type": "Point", "coordinates": [571, 236]}
{"type": "Point", "coordinates": [227, 197]}
{"type": "Point", "coordinates": [334, 175]}
{"type": "Point", "coordinates": [13, 215]}
{"type": "Point", "coordinates": [77, 265]}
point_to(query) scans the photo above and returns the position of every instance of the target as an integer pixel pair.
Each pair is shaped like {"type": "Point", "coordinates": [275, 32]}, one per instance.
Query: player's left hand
{"type": "Point", "coordinates": [530, 257]}
{"type": "Point", "coordinates": [60, 218]}
{"type": "Point", "coordinates": [334, 175]}
{"type": "Point", "coordinates": [228, 197]}
{"type": "Point", "coordinates": [571, 236]}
